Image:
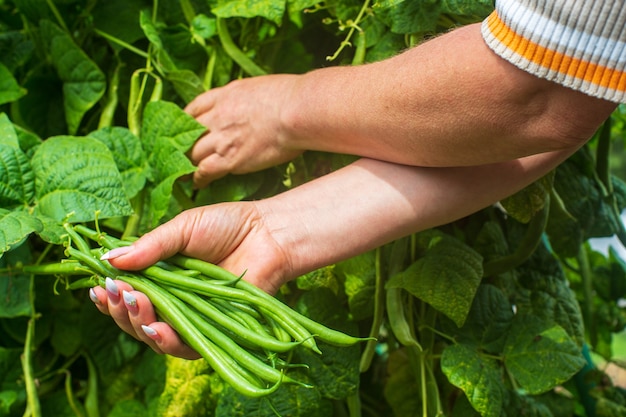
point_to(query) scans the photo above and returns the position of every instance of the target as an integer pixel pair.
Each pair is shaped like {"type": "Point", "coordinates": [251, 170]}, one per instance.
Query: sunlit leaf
{"type": "Point", "coordinates": [83, 82]}
{"type": "Point", "coordinates": [78, 176]}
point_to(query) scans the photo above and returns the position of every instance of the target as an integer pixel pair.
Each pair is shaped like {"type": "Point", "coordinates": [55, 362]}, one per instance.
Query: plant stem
{"type": "Point", "coordinates": [29, 380]}
{"type": "Point", "coordinates": [121, 43]}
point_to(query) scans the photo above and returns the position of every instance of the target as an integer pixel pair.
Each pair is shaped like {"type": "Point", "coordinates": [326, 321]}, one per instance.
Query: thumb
{"type": "Point", "coordinates": [161, 243]}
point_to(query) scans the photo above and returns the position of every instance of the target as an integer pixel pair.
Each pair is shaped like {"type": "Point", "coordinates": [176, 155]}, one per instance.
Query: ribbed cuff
{"type": "Point", "coordinates": [581, 45]}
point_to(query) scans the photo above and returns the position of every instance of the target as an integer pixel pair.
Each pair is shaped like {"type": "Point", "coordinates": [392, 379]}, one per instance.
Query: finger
{"type": "Point", "coordinates": [201, 104]}
{"type": "Point", "coordinates": [168, 341]}
{"type": "Point", "coordinates": [210, 169]}
{"type": "Point", "coordinates": [158, 244]}
{"type": "Point", "coordinates": [116, 307]}
{"type": "Point", "coordinates": [140, 312]}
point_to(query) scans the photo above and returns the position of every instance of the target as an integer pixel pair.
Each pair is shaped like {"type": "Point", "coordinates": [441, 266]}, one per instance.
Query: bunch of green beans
{"type": "Point", "coordinates": [245, 334]}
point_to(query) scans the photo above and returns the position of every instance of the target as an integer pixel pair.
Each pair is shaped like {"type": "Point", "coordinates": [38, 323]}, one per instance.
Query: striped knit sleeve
{"type": "Point", "coordinates": [580, 44]}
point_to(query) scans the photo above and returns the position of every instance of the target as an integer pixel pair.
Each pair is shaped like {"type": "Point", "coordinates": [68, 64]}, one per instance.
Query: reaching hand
{"type": "Point", "coordinates": [244, 127]}
{"type": "Point", "coordinates": [232, 235]}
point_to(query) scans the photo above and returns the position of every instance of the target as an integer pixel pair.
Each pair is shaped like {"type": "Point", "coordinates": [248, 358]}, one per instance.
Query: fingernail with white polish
{"type": "Point", "coordinates": [93, 296]}
{"type": "Point", "coordinates": [151, 333]}
{"type": "Point", "coordinates": [130, 301]}
{"type": "Point", "coordinates": [116, 253]}
{"type": "Point", "coordinates": [112, 289]}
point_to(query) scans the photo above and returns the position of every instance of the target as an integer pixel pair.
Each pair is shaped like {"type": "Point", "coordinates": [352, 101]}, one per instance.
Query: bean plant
{"type": "Point", "coordinates": [512, 311]}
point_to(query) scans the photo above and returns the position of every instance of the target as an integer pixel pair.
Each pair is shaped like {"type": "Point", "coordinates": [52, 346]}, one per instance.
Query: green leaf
{"type": "Point", "coordinates": [336, 372]}
{"type": "Point", "coordinates": [168, 163]}
{"type": "Point", "coordinates": [272, 10]}
{"type": "Point", "coordinates": [11, 389]}
{"type": "Point", "coordinates": [479, 8]}
{"type": "Point", "coordinates": [288, 400]}
{"type": "Point", "coordinates": [359, 275]}
{"type": "Point", "coordinates": [187, 389]}
{"type": "Point", "coordinates": [78, 176]}
{"type": "Point", "coordinates": [128, 154]}
{"type": "Point", "coordinates": [446, 276]}
{"type": "Point", "coordinates": [523, 205]}
{"type": "Point", "coordinates": [540, 355]}
{"type": "Point", "coordinates": [406, 16]}
{"type": "Point", "coordinates": [83, 82]}
{"type": "Point", "coordinates": [10, 90]}
{"type": "Point", "coordinates": [186, 83]}
{"type": "Point", "coordinates": [17, 182]}
{"type": "Point", "coordinates": [8, 136]}
{"type": "Point", "coordinates": [15, 286]}
{"type": "Point", "coordinates": [15, 226]}
{"type": "Point", "coordinates": [488, 321]}
{"type": "Point", "coordinates": [162, 119]}
{"type": "Point", "coordinates": [479, 377]}
{"type": "Point", "coordinates": [549, 295]}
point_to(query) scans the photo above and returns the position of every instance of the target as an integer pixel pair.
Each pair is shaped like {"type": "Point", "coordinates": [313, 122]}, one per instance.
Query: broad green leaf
{"type": "Point", "coordinates": [17, 182]}
{"type": "Point", "coordinates": [549, 295]}
{"type": "Point", "coordinates": [83, 82]}
{"type": "Point", "coordinates": [52, 230]}
{"type": "Point", "coordinates": [187, 389]}
{"type": "Point", "coordinates": [12, 391]}
{"type": "Point", "coordinates": [128, 154]}
{"type": "Point", "coordinates": [400, 15]}
{"type": "Point", "coordinates": [359, 274]}
{"type": "Point", "coordinates": [15, 286]}
{"type": "Point", "coordinates": [16, 48]}
{"type": "Point", "coordinates": [478, 376]}
{"type": "Point", "coordinates": [540, 355]}
{"type": "Point", "coordinates": [320, 278]}
{"type": "Point", "coordinates": [289, 400]}
{"type": "Point", "coordinates": [446, 276]}
{"type": "Point", "coordinates": [162, 119]}
{"type": "Point", "coordinates": [523, 205]}
{"type": "Point", "coordinates": [272, 10]}
{"type": "Point", "coordinates": [480, 8]}
{"type": "Point", "coordinates": [15, 226]}
{"type": "Point", "coordinates": [168, 164]}
{"type": "Point", "coordinates": [583, 197]}
{"type": "Point", "coordinates": [336, 372]}
{"type": "Point", "coordinates": [109, 18]}
{"type": "Point", "coordinates": [66, 338]}
{"type": "Point", "coordinates": [488, 321]}
{"type": "Point", "coordinates": [8, 136]}
{"type": "Point", "coordinates": [186, 83]}
{"type": "Point", "coordinates": [78, 176]}
{"type": "Point", "coordinates": [10, 90]}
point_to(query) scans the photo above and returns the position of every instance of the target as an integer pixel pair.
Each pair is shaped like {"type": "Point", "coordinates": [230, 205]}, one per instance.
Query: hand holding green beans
{"type": "Point", "coordinates": [208, 312]}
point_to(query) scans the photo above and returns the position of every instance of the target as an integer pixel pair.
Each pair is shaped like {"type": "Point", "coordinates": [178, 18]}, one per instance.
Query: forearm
{"type": "Point", "coordinates": [448, 102]}
{"type": "Point", "coordinates": [370, 203]}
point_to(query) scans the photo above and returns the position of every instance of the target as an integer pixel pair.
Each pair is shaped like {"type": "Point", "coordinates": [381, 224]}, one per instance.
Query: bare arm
{"type": "Point", "coordinates": [447, 102]}
{"type": "Point", "coordinates": [350, 211]}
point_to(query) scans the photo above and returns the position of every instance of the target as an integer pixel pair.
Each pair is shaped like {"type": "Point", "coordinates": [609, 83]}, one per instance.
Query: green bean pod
{"type": "Point", "coordinates": [213, 313]}
{"type": "Point", "coordinates": [221, 363]}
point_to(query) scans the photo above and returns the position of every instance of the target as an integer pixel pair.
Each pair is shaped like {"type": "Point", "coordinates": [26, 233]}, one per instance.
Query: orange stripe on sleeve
{"type": "Point", "coordinates": [596, 74]}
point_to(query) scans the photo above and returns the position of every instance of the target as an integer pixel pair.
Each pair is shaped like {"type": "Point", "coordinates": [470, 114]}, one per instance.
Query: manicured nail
{"type": "Point", "coordinates": [93, 296]}
{"type": "Point", "coordinates": [116, 253]}
{"type": "Point", "coordinates": [130, 301]}
{"type": "Point", "coordinates": [151, 333]}
{"type": "Point", "coordinates": [112, 290]}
